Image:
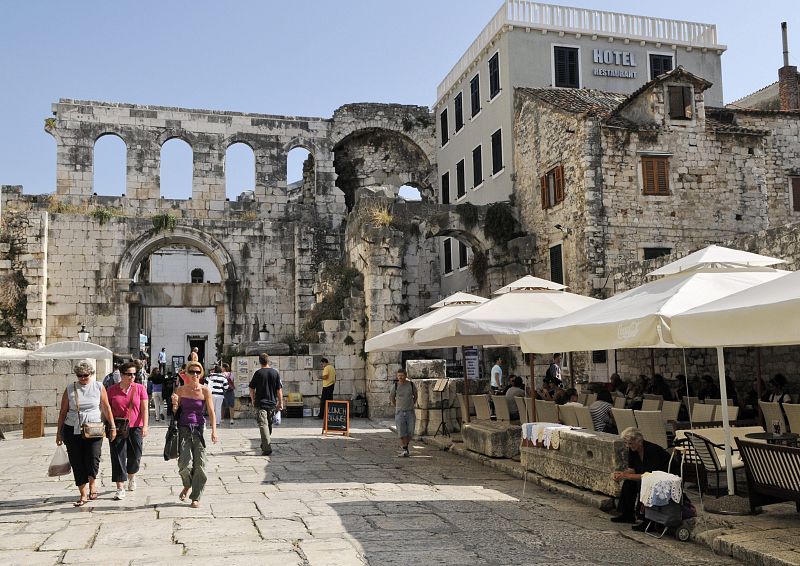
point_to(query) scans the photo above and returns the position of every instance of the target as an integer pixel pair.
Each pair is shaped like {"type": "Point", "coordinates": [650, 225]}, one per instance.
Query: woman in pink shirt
{"type": "Point", "coordinates": [128, 400]}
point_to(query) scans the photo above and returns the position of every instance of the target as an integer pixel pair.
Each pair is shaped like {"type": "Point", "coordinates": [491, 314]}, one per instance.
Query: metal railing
{"type": "Point", "coordinates": [524, 13]}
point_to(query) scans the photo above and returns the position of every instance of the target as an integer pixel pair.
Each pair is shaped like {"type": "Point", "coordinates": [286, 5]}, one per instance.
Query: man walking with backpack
{"type": "Point", "coordinates": [266, 394]}
{"type": "Point", "coordinates": [404, 399]}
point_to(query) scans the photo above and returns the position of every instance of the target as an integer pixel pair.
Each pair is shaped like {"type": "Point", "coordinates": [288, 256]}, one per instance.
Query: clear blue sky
{"type": "Point", "coordinates": [290, 57]}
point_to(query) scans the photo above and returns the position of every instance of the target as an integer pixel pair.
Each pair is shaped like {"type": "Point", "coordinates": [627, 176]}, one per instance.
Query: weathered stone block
{"type": "Point", "coordinates": [493, 439]}
{"type": "Point", "coordinates": [426, 369]}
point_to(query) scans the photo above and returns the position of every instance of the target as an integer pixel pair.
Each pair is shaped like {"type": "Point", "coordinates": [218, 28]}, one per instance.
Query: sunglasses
{"type": "Point", "coordinates": [82, 375]}
{"type": "Point", "coordinates": [129, 373]}
{"type": "Point", "coordinates": [194, 372]}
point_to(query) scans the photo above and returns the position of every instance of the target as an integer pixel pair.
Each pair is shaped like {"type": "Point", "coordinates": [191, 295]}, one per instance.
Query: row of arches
{"type": "Point", "coordinates": [177, 167]}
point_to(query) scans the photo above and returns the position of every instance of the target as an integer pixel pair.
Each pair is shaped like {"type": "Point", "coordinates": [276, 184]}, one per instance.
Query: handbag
{"type": "Point", "coordinates": [123, 425]}
{"type": "Point", "coordinates": [172, 440]}
{"type": "Point", "coordinates": [89, 431]}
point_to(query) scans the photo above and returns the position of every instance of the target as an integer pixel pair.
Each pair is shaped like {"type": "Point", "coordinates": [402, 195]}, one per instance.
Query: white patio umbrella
{"type": "Point", "coordinates": [641, 317]}
{"type": "Point", "coordinates": [401, 337]}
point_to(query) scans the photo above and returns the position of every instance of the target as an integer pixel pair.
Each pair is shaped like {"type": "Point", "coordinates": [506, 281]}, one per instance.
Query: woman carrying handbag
{"type": "Point", "coordinates": [129, 404]}
{"type": "Point", "coordinates": [80, 427]}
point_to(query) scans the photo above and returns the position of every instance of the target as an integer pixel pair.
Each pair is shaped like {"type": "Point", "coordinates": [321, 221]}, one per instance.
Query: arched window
{"type": "Point", "coordinates": [408, 192]}
{"type": "Point", "coordinates": [197, 275]}
{"type": "Point", "coordinates": [240, 170]}
{"type": "Point", "coordinates": [110, 165]}
{"type": "Point", "coordinates": [177, 169]}
{"type": "Point", "coordinates": [294, 165]}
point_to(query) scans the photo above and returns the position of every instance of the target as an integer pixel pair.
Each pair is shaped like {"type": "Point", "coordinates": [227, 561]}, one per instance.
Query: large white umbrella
{"type": "Point", "coordinates": [401, 338]}
{"type": "Point", "coordinates": [515, 308]}
{"type": "Point", "coordinates": [642, 317]}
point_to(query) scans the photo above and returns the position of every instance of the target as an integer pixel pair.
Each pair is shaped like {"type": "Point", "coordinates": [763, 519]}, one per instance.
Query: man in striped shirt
{"type": "Point", "coordinates": [218, 384]}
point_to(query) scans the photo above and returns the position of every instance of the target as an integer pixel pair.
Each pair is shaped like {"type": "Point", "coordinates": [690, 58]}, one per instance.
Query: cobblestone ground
{"type": "Point", "coordinates": [315, 501]}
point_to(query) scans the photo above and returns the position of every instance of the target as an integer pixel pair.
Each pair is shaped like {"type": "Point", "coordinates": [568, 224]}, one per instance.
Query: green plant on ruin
{"type": "Point", "coordinates": [13, 303]}
{"type": "Point", "coordinates": [56, 206]}
{"type": "Point", "coordinates": [296, 346]}
{"type": "Point", "coordinates": [468, 213]}
{"type": "Point", "coordinates": [478, 267]}
{"type": "Point", "coordinates": [378, 215]}
{"type": "Point", "coordinates": [104, 213]}
{"type": "Point", "coordinates": [164, 221]}
{"type": "Point", "coordinates": [49, 123]}
{"type": "Point", "coordinates": [342, 280]}
{"type": "Point", "coordinates": [500, 223]}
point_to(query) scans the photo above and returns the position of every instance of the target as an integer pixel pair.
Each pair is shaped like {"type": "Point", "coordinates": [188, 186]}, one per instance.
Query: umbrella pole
{"type": "Point", "coordinates": [571, 370]}
{"type": "Point", "coordinates": [726, 425]}
{"type": "Point", "coordinates": [759, 392]}
{"type": "Point", "coordinates": [466, 387]}
{"type": "Point", "coordinates": [652, 362]}
{"type": "Point", "coordinates": [533, 388]}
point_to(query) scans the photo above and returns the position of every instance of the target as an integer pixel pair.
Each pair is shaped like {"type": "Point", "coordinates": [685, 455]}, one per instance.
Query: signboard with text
{"type": "Point", "coordinates": [337, 417]}
{"type": "Point", "coordinates": [471, 363]}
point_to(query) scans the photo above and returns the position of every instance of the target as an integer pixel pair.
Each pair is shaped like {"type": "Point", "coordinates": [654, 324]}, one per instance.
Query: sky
{"type": "Point", "coordinates": [297, 57]}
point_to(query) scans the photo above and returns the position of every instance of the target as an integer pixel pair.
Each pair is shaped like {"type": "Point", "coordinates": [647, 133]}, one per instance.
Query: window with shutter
{"type": "Point", "coordinates": [566, 67]}
{"type": "Point", "coordinates": [443, 127]}
{"type": "Point", "coordinates": [655, 175]}
{"type": "Point", "coordinates": [553, 187]}
{"type": "Point", "coordinates": [448, 255]}
{"type": "Point", "coordinates": [461, 188]}
{"type": "Point", "coordinates": [475, 94]}
{"type": "Point", "coordinates": [558, 182]}
{"type": "Point", "coordinates": [462, 255]}
{"type": "Point", "coordinates": [494, 76]}
{"type": "Point", "coordinates": [497, 152]}
{"type": "Point", "coordinates": [796, 194]}
{"type": "Point", "coordinates": [660, 64]}
{"type": "Point", "coordinates": [543, 181]}
{"type": "Point", "coordinates": [556, 265]}
{"type": "Point", "coordinates": [459, 110]}
{"type": "Point", "coordinates": [446, 188]}
{"type": "Point", "coordinates": [477, 166]}
{"type": "Point", "coordinates": [680, 102]}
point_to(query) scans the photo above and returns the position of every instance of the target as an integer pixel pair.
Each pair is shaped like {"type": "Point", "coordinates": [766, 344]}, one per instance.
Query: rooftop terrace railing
{"type": "Point", "coordinates": [524, 13]}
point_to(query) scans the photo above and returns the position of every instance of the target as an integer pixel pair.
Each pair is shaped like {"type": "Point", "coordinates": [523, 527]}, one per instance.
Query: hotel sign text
{"type": "Point", "coordinates": [616, 58]}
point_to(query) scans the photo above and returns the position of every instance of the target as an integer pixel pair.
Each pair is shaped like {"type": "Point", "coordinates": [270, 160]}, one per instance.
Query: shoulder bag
{"type": "Point", "coordinates": [123, 425]}
{"type": "Point", "coordinates": [171, 441]}
{"type": "Point", "coordinates": [89, 431]}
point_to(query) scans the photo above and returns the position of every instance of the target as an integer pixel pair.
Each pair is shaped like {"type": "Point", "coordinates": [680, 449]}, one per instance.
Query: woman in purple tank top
{"type": "Point", "coordinates": [192, 399]}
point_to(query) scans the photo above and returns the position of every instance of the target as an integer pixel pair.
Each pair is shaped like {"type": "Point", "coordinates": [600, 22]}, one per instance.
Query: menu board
{"type": "Point", "coordinates": [471, 363]}
{"type": "Point", "coordinates": [337, 417]}
{"type": "Point", "coordinates": [243, 369]}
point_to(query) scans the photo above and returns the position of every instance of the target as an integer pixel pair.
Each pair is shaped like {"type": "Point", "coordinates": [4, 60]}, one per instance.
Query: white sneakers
{"type": "Point", "coordinates": [120, 494]}
{"type": "Point", "coordinates": [132, 484]}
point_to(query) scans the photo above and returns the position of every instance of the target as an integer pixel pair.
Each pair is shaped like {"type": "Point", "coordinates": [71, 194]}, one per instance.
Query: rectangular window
{"type": "Point", "coordinates": [565, 65]}
{"type": "Point", "coordinates": [680, 102]}
{"type": "Point", "coordinates": [462, 255]}
{"type": "Point", "coordinates": [477, 166]}
{"type": "Point", "coordinates": [599, 357]}
{"type": "Point", "coordinates": [552, 184]}
{"type": "Point", "coordinates": [459, 109]}
{"type": "Point", "coordinates": [461, 187]}
{"type": "Point", "coordinates": [494, 76]}
{"type": "Point", "coordinates": [796, 194]}
{"type": "Point", "coordinates": [448, 256]}
{"type": "Point", "coordinates": [655, 175]}
{"type": "Point", "coordinates": [497, 152]}
{"type": "Point", "coordinates": [653, 253]}
{"type": "Point", "coordinates": [556, 267]}
{"type": "Point", "coordinates": [446, 188]}
{"type": "Point", "coordinates": [660, 64]}
{"type": "Point", "coordinates": [443, 127]}
{"type": "Point", "coordinates": [475, 94]}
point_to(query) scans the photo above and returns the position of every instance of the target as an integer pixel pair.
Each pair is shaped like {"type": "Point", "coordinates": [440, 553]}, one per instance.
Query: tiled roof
{"type": "Point", "coordinates": [579, 100]}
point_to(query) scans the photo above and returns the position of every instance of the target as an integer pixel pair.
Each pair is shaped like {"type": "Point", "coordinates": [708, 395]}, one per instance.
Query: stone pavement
{"type": "Point", "coordinates": [315, 501]}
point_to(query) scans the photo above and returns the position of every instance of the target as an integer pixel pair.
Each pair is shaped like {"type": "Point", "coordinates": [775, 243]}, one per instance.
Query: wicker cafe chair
{"type": "Point", "coordinates": [522, 409]}
{"type": "Point", "coordinates": [653, 396]}
{"type": "Point", "coordinates": [501, 412]}
{"type": "Point", "coordinates": [733, 412]}
{"type": "Point", "coordinates": [481, 404]}
{"type": "Point", "coordinates": [546, 411]}
{"type": "Point", "coordinates": [651, 404]}
{"type": "Point", "coordinates": [584, 417]}
{"type": "Point", "coordinates": [619, 402]}
{"type": "Point", "coordinates": [772, 412]}
{"type": "Point", "coordinates": [567, 416]}
{"type": "Point", "coordinates": [690, 403]}
{"type": "Point", "coordinates": [793, 416]}
{"type": "Point", "coordinates": [670, 410]}
{"type": "Point", "coordinates": [651, 423]}
{"type": "Point", "coordinates": [702, 413]}
{"type": "Point", "coordinates": [582, 398]}
{"type": "Point", "coordinates": [706, 452]}
{"type": "Point", "coordinates": [590, 398]}
{"type": "Point", "coordinates": [624, 418]}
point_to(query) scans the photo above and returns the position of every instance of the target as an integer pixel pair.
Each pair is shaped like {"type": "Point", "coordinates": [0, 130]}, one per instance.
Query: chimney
{"type": "Point", "coordinates": [788, 81]}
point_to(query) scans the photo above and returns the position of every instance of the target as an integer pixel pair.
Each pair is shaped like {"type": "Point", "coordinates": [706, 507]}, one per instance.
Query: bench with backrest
{"type": "Point", "coordinates": [773, 473]}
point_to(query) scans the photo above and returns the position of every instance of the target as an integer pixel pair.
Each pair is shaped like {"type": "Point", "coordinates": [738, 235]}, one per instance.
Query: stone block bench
{"type": "Point", "coordinates": [495, 439]}
{"type": "Point", "coordinates": [585, 459]}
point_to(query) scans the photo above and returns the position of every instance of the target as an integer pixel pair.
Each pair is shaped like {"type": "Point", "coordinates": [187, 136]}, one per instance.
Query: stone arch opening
{"type": "Point", "coordinates": [300, 171]}
{"type": "Point", "coordinates": [381, 161]}
{"type": "Point", "coordinates": [176, 170]}
{"type": "Point", "coordinates": [178, 292]}
{"type": "Point", "coordinates": [409, 192]}
{"type": "Point", "coordinates": [240, 169]}
{"type": "Point", "coordinates": [110, 165]}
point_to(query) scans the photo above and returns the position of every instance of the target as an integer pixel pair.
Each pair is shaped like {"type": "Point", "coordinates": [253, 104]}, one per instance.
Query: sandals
{"type": "Point", "coordinates": [183, 494]}
{"type": "Point", "coordinates": [80, 502]}
{"type": "Point", "coordinates": [92, 495]}
{"type": "Point", "coordinates": [195, 504]}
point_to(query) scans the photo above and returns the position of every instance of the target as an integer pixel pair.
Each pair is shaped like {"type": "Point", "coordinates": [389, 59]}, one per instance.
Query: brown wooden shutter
{"type": "Point", "coordinates": [662, 175]}
{"type": "Point", "coordinates": [543, 181]}
{"type": "Point", "coordinates": [559, 182]}
{"type": "Point", "coordinates": [796, 194]}
{"type": "Point", "coordinates": [648, 176]}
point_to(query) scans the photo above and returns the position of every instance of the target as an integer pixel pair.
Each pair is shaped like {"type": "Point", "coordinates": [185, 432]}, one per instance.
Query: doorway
{"type": "Point", "coordinates": [199, 342]}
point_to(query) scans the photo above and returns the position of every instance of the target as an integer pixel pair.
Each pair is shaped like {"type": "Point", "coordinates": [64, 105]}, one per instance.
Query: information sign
{"type": "Point", "coordinates": [337, 417]}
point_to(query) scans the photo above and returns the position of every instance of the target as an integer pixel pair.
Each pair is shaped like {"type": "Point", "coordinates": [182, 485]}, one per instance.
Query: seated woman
{"type": "Point", "coordinates": [601, 412]}
{"type": "Point", "coordinates": [570, 397]}
{"type": "Point", "coordinates": [643, 456]}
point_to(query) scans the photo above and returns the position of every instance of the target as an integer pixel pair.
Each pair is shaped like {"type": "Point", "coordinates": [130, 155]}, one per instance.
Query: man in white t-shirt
{"type": "Point", "coordinates": [497, 375]}
{"type": "Point", "coordinates": [162, 361]}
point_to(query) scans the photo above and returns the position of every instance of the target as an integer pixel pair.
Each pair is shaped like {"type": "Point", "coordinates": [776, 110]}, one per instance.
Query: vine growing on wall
{"type": "Point", "coordinates": [13, 303]}
{"type": "Point", "coordinates": [164, 222]}
{"type": "Point", "coordinates": [478, 267]}
{"type": "Point", "coordinates": [500, 223]}
{"type": "Point", "coordinates": [468, 213]}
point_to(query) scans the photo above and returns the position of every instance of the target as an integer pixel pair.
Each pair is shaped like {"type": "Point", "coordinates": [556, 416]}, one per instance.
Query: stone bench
{"type": "Point", "coordinates": [492, 438]}
{"type": "Point", "coordinates": [584, 459]}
